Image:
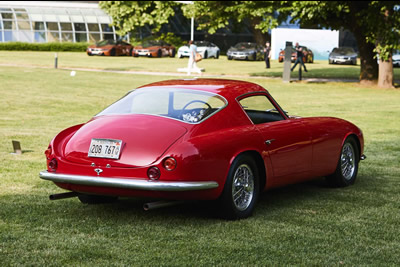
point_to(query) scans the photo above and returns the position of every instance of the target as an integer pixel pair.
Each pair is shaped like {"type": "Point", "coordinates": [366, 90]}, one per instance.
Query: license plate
{"type": "Point", "coordinates": [105, 148]}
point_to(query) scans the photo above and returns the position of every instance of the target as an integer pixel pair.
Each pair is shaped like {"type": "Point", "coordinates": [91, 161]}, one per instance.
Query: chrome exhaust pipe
{"type": "Point", "coordinates": [160, 204]}
{"type": "Point", "coordinates": [63, 195]}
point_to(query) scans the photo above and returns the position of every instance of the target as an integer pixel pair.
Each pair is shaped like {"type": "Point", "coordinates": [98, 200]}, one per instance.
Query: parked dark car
{"type": "Point", "coordinates": [343, 55]}
{"type": "Point", "coordinates": [308, 55]}
{"type": "Point", "coordinates": [246, 51]}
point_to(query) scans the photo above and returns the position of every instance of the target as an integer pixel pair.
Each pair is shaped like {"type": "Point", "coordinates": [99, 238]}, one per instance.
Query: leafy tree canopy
{"type": "Point", "coordinates": [127, 16]}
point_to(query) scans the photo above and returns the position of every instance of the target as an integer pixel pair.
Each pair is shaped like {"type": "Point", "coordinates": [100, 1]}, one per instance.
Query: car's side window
{"type": "Point", "coordinates": [260, 109]}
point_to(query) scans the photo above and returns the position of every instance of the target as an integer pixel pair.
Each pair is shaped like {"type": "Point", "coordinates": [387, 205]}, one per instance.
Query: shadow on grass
{"type": "Point", "coordinates": [272, 205]}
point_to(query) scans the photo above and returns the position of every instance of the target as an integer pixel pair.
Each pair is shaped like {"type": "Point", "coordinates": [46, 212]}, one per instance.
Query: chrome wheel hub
{"type": "Point", "coordinates": [243, 187]}
{"type": "Point", "coordinates": [348, 161]}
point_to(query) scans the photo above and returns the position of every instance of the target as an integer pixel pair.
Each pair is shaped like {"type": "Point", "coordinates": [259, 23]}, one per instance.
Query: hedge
{"type": "Point", "coordinates": [19, 46]}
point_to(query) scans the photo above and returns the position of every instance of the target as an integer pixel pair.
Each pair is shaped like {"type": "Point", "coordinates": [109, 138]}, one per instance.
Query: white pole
{"type": "Point", "coordinates": [192, 30]}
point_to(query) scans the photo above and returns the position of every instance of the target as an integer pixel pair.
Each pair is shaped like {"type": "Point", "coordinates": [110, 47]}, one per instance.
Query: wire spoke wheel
{"type": "Point", "coordinates": [347, 166]}
{"type": "Point", "coordinates": [243, 187]}
{"type": "Point", "coordinates": [347, 161]}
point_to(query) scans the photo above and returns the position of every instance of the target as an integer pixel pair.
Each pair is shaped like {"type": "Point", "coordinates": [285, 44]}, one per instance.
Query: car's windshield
{"type": "Point", "coordinates": [105, 42]}
{"type": "Point", "coordinates": [151, 43]}
{"type": "Point", "coordinates": [201, 43]}
{"type": "Point", "coordinates": [345, 50]}
{"type": "Point", "coordinates": [190, 106]}
{"type": "Point", "coordinates": [245, 45]}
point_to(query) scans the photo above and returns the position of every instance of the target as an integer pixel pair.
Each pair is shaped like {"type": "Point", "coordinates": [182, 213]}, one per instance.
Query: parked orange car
{"type": "Point", "coordinates": [154, 48]}
{"type": "Point", "coordinates": [110, 48]}
{"type": "Point", "coordinates": [308, 56]}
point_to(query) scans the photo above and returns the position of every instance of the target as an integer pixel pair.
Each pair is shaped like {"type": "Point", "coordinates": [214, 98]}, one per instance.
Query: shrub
{"type": "Point", "coordinates": [20, 46]}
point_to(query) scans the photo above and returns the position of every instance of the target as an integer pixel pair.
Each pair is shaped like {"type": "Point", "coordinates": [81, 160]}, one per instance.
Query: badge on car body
{"type": "Point", "coordinates": [98, 171]}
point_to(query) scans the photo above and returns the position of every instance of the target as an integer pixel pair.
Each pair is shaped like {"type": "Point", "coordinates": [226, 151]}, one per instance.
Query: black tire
{"type": "Point", "coordinates": [243, 177]}
{"type": "Point", "coordinates": [130, 52]}
{"type": "Point", "coordinates": [159, 54]}
{"type": "Point", "coordinates": [217, 56]}
{"type": "Point", "coordinates": [205, 54]}
{"type": "Point", "coordinates": [173, 53]}
{"type": "Point", "coordinates": [229, 58]}
{"type": "Point", "coordinates": [347, 166]}
{"type": "Point", "coordinates": [112, 52]}
{"type": "Point", "coordinates": [96, 199]}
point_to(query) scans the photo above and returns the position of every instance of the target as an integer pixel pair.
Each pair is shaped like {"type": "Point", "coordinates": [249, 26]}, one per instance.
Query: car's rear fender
{"type": "Point", "coordinates": [59, 141]}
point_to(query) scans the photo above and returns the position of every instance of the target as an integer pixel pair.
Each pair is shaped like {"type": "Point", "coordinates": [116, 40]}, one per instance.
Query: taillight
{"type": "Point", "coordinates": [48, 152]}
{"type": "Point", "coordinates": [153, 173]}
{"type": "Point", "coordinates": [53, 164]}
{"type": "Point", "coordinates": [169, 164]}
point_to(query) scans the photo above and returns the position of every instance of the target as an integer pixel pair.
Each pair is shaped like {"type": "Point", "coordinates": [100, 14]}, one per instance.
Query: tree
{"type": "Point", "coordinates": [128, 16]}
{"type": "Point", "coordinates": [213, 15]}
{"type": "Point", "coordinates": [386, 37]}
{"type": "Point", "coordinates": [366, 20]}
{"type": "Point", "coordinates": [210, 15]}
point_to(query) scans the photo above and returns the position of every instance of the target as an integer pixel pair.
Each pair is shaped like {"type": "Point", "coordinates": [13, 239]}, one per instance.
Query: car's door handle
{"type": "Point", "coordinates": [269, 141]}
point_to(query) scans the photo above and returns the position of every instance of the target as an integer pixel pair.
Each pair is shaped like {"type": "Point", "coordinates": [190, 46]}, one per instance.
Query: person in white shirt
{"type": "Point", "coordinates": [192, 62]}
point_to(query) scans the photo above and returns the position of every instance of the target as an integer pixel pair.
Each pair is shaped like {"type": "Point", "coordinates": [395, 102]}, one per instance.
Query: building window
{"type": "Point", "coordinates": [53, 37]}
{"type": "Point", "coordinates": [52, 26]}
{"type": "Point", "coordinates": [48, 23]}
{"type": "Point", "coordinates": [80, 37]}
{"type": "Point", "coordinates": [66, 26]}
{"type": "Point", "coordinates": [67, 36]}
{"type": "Point", "coordinates": [9, 25]}
{"type": "Point", "coordinates": [24, 25]}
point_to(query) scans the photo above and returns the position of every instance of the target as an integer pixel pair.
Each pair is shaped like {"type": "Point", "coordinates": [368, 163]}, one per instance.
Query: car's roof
{"type": "Point", "coordinates": [227, 88]}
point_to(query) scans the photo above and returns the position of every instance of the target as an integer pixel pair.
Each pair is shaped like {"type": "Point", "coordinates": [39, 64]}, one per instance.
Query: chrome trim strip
{"type": "Point", "coordinates": [127, 183]}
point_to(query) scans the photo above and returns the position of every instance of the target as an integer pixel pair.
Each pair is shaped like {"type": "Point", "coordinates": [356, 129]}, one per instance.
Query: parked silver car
{"type": "Point", "coordinates": [343, 55]}
{"type": "Point", "coordinates": [396, 58]}
{"type": "Point", "coordinates": [246, 51]}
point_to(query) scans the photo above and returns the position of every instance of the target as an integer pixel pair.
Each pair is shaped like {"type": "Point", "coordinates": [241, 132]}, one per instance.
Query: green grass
{"type": "Point", "coordinates": [221, 66]}
{"type": "Point", "coordinates": [306, 224]}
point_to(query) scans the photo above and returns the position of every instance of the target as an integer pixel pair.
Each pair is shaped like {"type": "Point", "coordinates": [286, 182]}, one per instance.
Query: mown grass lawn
{"type": "Point", "coordinates": [306, 224]}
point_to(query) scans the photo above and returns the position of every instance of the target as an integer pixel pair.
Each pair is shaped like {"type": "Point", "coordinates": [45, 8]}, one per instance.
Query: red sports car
{"type": "Point", "coordinates": [203, 139]}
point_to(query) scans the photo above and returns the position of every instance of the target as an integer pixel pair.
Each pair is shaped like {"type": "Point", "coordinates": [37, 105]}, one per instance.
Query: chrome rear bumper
{"type": "Point", "coordinates": [127, 183]}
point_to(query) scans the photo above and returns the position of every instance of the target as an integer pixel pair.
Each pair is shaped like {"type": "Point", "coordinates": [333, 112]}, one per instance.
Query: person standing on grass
{"type": "Point", "coordinates": [299, 59]}
{"type": "Point", "coordinates": [192, 59]}
{"type": "Point", "coordinates": [267, 54]}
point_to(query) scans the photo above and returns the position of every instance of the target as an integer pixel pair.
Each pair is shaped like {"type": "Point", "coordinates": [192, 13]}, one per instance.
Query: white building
{"type": "Point", "coordinates": [54, 21]}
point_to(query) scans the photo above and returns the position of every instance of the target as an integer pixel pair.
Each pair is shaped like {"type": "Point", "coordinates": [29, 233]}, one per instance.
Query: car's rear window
{"type": "Point", "coordinates": [190, 106]}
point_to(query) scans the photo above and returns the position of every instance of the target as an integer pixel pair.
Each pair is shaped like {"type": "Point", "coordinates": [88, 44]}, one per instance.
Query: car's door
{"type": "Point", "coordinates": [287, 142]}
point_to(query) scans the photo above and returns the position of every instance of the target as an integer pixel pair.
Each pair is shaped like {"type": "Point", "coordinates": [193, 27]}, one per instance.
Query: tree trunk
{"type": "Point", "coordinates": [259, 37]}
{"type": "Point", "coordinates": [369, 65]}
{"type": "Point", "coordinates": [385, 73]}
